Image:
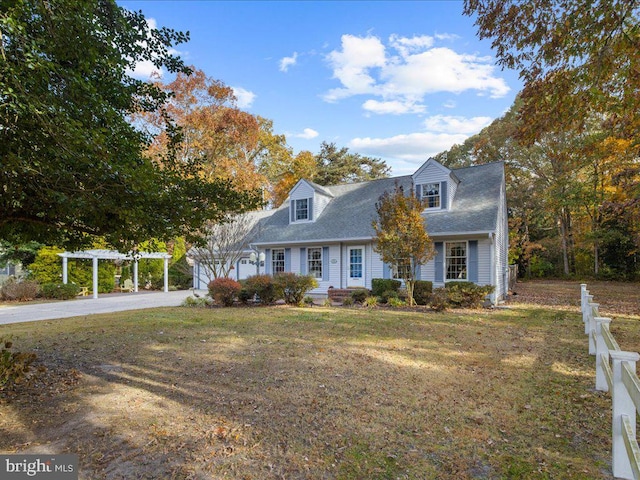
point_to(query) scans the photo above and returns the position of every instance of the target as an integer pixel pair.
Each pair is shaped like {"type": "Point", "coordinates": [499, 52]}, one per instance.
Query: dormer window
{"type": "Point", "coordinates": [431, 194]}
{"type": "Point", "coordinates": [302, 209]}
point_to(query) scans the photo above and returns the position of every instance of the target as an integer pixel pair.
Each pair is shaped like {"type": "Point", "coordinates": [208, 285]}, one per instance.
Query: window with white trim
{"type": "Point", "coordinates": [456, 260]}
{"type": "Point", "coordinates": [401, 270]}
{"type": "Point", "coordinates": [302, 209]}
{"type": "Point", "coordinates": [431, 194]}
{"type": "Point", "coordinates": [277, 260]}
{"type": "Point", "coordinates": [314, 262]}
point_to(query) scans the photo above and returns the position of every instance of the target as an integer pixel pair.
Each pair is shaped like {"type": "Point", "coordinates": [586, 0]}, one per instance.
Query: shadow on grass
{"type": "Point", "coordinates": [315, 393]}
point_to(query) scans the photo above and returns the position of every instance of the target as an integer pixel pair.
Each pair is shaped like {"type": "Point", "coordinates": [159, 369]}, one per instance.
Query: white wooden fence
{"type": "Point", "coordinates": [615, 373]}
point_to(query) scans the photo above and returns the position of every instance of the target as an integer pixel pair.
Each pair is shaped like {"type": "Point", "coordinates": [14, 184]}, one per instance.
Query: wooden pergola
{"type": "Point", "coordinates": [96, 255]}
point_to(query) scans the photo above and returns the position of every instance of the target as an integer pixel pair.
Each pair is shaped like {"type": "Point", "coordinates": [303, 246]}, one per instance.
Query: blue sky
{"type": "Point", "coordinates": [398, 80]}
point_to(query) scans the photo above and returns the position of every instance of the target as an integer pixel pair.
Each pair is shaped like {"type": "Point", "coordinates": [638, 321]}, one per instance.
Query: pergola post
{"type": "Point", "coordinates": [166, 274]}
{"type": "Point", "coordinates": [135, 274]}
{"type": "Point", "coordinates": [65, 272]}
{"type": "Point", "coordinates": [95, 277]}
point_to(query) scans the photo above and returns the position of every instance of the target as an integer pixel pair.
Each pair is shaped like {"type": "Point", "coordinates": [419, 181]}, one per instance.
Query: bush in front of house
{"type": "Point", "coordinates": [467, 294]}
{"type": "Point", "coordinates": [19, 290]}
{"type": "Point", "coordinates": [360, 295]}
{"type": "Point", "coordinates": [389, 295]}
{"type": "Point", "coordinates": [263, 286]}
{"type": "Point", "coordinates": [439, 300]}
{"type": "Point", "coordinates": [381, 285]}
{"type": "Point", "coordinates": [59, 291]}
{"type": "Point", "coordinates": [224, 290]}
{"type": "Point", "coordinates": [422, 291]}
{"type": "Point", "coordinates": [293, 287]}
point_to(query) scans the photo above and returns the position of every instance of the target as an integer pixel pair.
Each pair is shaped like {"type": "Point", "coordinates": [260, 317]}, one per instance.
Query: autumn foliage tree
{"type": "Point", "coordinates": [401, 235]}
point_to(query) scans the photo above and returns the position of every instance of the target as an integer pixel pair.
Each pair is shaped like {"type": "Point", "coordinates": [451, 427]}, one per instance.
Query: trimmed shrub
{"type": "Point", "coordinates": [422, 291]}
{"type": "Point", "coordinates": [347, 302]}
{"type": "Point", "coordinates": [381, 285]}
{"type": "Point", "coordinates": [293, 287]}
{"type": "Point", "coordinates": [308, 301]}
{"type": "Point", "coordinates": [389, 295]}
{"type": "Point", "coordinates": [360, 295]}
{"type": "Point", "coordinates": [21, 291]}
{"type": "Point", "coordinates": [467, 294]}
{"type": "Point", "coordinates": [14, 366]}
{"type": "Point", "coordinates": [439, 300]}
{"type": "Point", "coordinates": [59, 291]}
{"type": "Point", "coordinates": [244, 295]}
{"type": "Point", "coordinates": [264, 286]}
{"type": "Point", "coordinates": [224, 290]}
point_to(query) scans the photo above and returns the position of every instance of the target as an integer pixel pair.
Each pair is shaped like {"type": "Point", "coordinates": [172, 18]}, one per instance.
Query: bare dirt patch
{"type": "Point", "coordinates": [316, 393]}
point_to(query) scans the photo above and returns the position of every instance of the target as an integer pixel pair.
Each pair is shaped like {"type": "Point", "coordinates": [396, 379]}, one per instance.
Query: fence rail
{"type": "Point", "coordinates": [615, 373]}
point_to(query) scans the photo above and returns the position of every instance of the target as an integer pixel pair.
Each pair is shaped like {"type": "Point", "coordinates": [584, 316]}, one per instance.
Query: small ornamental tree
{"type": "Point", "coordinates": [401, 236]}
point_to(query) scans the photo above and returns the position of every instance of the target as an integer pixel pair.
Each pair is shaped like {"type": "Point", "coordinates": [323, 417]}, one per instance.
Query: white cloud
{"type": "Point", "coordinates": [351, 66]}
{"type": "Point", "coordinates": [307, 134]}
{"type": "Point", "coordinates": [244, 97]}
{"type": "Point", "coordinates": [287, 62]}
{"type": "Point", "coordinates": [145, 70]}
{"type": "Point", "coordinates": [456, 124]}
{"type": "Point", "coordinates": [406, 70]}
{"type": "Point", "coordinates": [395, 107]}
{"type": "Point", "coordinates": [416, 147]}
{"type": "Point", "coordinates": [412, 149]}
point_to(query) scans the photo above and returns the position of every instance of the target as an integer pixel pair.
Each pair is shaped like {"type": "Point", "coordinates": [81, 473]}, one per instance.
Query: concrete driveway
{"type": "Point", "coordinates": [88, 306]}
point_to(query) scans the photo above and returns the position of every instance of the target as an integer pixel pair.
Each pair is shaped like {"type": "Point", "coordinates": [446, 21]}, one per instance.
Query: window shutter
{"type": "Point", "coordinates": [439, 277]}
{"type": "Point", "coordinates": [303, 261]}
{"type": "Point", "coordinates": [325, 264]}
{"type": "Point", "coordinates": [310, 205]}
{"type": "Point", "coordinates": [287, 259]}
{"type": "Point", "coordinates": [472, 259]}
{"type": "Point", "coordinates": [419, 272]}
{"type": "Point", "coordinates": [267, 261]}
{"type": "Point", "coordinates": [419, 191]}
{"type": "Point", "coordinates": [444, 193]}
{"type": "Point", "coordinates": [386, 271]}
{"type": "Point", "coordinates": [293, 211]}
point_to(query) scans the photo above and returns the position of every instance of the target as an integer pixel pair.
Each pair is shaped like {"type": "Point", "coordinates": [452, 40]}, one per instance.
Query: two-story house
{"type": "Point", "coordinates": [327, 231]}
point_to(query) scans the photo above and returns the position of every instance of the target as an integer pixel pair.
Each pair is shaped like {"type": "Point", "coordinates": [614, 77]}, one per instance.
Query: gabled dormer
{"type": "Point", "coordinates": [436, 185]}
{"type": "Point", "coordinates": [307, 200]}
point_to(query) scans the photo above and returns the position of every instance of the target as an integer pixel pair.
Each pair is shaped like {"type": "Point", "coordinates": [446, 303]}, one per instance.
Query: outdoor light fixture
{"type": "Point", "coordinates": [254, 259]}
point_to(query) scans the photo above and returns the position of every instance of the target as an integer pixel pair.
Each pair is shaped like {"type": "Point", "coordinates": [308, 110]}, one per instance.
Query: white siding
{"type": "Point", "coordinates": [304, 190]}
{"type": "Point", "coordinates": [502, 249]}
{"type": "Point", "coordinates": [301, 190]}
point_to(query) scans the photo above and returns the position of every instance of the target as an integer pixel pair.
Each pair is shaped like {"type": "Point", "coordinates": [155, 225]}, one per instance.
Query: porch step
{"type": "Point", "coordinates": [339, 294]}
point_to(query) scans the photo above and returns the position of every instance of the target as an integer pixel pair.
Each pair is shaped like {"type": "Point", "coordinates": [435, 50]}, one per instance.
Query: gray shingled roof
{"type": "Point", "coordinates": [350, 213]}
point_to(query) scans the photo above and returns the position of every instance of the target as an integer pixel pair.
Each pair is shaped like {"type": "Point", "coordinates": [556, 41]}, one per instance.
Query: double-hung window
{"type": "Point", "coordinates": [302, 209]}
{"type": "Point", "coordinates": [277, 260]}
{"type": "Point", "coordinates": [402, 269]}
{"type": "Point", "coordinates": [456, 258]}
{"type": "Point", "coordinates": [314, 262]}
{"type": "Point", "coordinates": [431, 194]}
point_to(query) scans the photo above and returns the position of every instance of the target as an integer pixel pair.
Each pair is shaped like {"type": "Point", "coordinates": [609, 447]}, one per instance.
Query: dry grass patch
{"type": "Point", "coordinates": [270, 393]}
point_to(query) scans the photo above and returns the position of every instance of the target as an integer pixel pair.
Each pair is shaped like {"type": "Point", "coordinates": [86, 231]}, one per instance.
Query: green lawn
{"type": "Point", "coordinates": [314, 393]}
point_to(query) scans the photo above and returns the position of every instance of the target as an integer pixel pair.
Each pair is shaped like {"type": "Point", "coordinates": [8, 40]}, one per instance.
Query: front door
{"type": "Point", "coordinates": [356, 267]}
